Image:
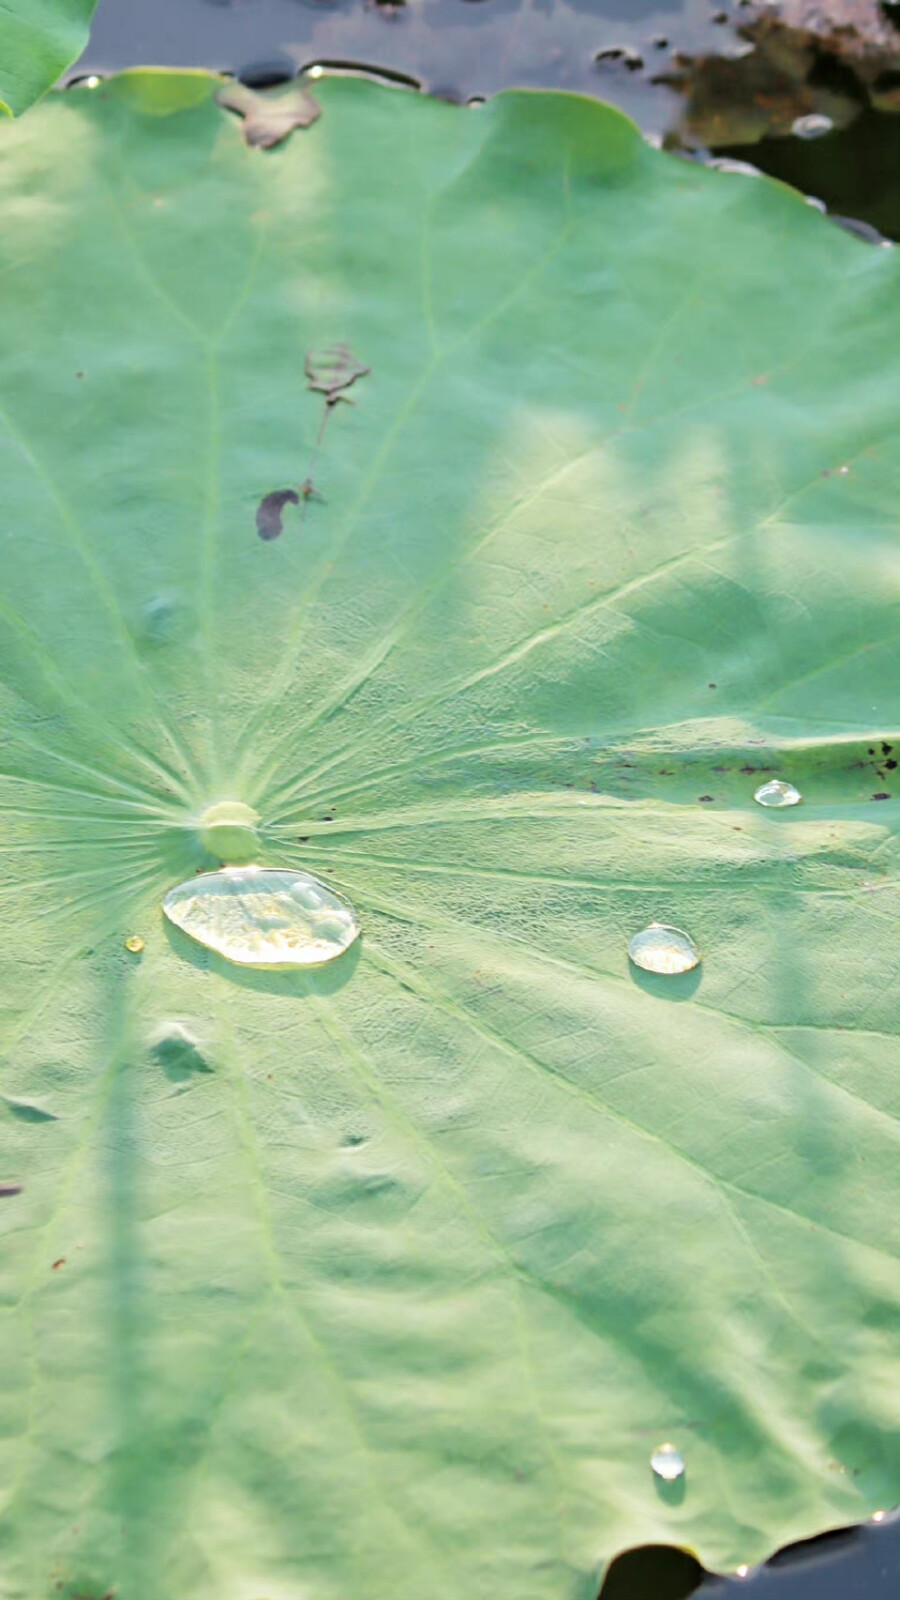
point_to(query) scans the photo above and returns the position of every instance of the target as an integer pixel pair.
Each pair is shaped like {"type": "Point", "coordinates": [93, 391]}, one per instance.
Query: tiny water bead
{"type": "Point", "coordinates": [776, 793]}
{"type": "Point", "coordinates": [264, 916]}
{"type": "Point", "coordinates": [660, 948]}
{"type": "Point", "coordinates": [667, 1463]}
{"type": "Point", "coordinates": [134, 943]}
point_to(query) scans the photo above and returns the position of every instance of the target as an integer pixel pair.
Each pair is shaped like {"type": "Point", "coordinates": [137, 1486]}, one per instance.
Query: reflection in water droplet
{"type": "Point", "coordinates": [660, 948]}
{"type": "Point", "coordinates": [776, 793]}
{"type": "Point", "coordinates": [134, 943]}
{"type": "Point", "coordinates": [812, 126]}
{"type": "Point", "coordinates": [743, 1571]}
{"type": "Point", "coordinates": [264, 917]}
{"type": "Point", "coordinates": [667, 1462]}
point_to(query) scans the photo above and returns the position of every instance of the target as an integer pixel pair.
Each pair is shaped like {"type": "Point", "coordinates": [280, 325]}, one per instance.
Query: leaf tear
{"type": "Point", "coordinates": [333, 370]}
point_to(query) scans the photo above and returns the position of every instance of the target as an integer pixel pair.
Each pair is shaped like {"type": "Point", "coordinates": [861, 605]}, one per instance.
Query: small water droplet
{"type": "Point", "coordinates": [777, 793]}
{"type": "Point", "coordinates": [264, 916]}
{"type": "Point", "coordinates": [660, 948]}
{"type": "Point", "coordinates": [667, 1462]}
{"type": "Point", "coordinates": [813, 126]}
{"type": "Point", "coordinates": [743, 1571]}
{"type": "Point", "coordinates": [878, 1516]}
{"type": "Point", "coordinates": [134, 943]}
{"type": "Point", "coordinates": [228, 832]}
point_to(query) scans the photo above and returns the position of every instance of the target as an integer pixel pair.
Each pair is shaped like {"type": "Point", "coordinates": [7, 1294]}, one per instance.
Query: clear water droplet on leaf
{"type": "Point", "coordinates": [660, 948]}
{"type": "Point", "coordinates": [228, 831]}
{"type": "Point", "coordinates": [777, 793]}
{"type": "Point", "coordinates": [667, 1462]}
{"type": "Point", "coordinates": [134, 943]}
{"type": "Point", "coordinates": [264, 916]}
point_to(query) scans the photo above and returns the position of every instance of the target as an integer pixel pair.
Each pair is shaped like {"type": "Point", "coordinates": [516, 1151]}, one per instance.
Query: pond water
{"type": "Point", "coordinates": [682, 72]}
{"type": "Point", "coordinates": [687, 73]}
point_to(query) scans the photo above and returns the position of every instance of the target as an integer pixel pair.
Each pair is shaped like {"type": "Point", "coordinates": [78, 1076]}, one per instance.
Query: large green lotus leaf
{"type": "Point", "coordinates": [38, 40]}
{"type": "Point", "coordinates": [385, 1281]}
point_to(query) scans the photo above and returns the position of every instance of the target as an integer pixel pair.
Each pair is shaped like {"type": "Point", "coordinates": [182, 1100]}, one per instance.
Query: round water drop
{"type": "Point", "coordinates": [813, 126]}
{"type": "Point", "coordinates": [777, 793]}
{"type": "Point", "coordinates": [228, 830]}
{"type": "Point", "coordinates": [255, 917]}
{"type": "Point", "coordinates": [660, 948]}
{"type": "Point", "coordinates": [667, 1462]}
{"type": "Point", "coordinates": [134, 943]}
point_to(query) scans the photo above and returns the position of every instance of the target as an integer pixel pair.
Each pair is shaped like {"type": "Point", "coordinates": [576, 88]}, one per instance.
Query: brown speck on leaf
{"type": "Point", "coordinates": [333, 370]}
{"type": "Point", "coordinates": [763, 378]}
{"type": "Point", "coordinates": [705, 799]}
{"type": "Point", "coordinates": [7, 1190]}
{"type": "Point", "coordinates": [269, 118]}
{"type": "Point", "coordinates": [881, 795]}
{"type": "Point", "coordinates": [60, 1263]}
{"type": "Point", "coordinates": [79, 374]}
{"type": "Point", "coordinates": [711, 686]}
{"type": "Point", "coordinates": [268, 513]}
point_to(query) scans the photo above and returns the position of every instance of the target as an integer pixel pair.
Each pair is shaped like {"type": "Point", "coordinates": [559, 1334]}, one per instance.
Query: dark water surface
{"type": "Point", "coordinates": [684, 71]}
{"type": "Point", "coordinates": [631, 52]}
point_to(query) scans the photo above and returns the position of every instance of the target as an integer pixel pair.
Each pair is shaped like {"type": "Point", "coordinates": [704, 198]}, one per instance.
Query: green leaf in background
{"type": "Point", "coordinates": [385, 1281]}
{"type": "Point", "coordinates": [38, 40]}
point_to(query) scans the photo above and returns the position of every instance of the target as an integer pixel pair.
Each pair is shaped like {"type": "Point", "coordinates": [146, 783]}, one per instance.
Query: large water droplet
{"type": "Point", "coordinates": [660, 948]}
{"type": "Point", "coordinates": [264, 916]}
{"type": "Point", "coordinates": [776, 793]}
{"type": "Point", "coordinates": [667, 1462]}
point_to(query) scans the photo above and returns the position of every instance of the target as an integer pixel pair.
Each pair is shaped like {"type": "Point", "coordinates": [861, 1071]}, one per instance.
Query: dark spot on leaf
{"type": "Point", "coordinates": [7, 1190]}
{"type": "Point", "coordinates": [890, 765]}
{"type": "Point", "coordinates": [881, 795]}
{"type": "Point", "coordinates": [26, 1110]}
{"type": "Point", "coordinates": [303, 838]}
{"type": "Point", "coordinates": [59, 1263]}
{"type": "Point", "coordinates": [705, 798]}
{"type": "Point", "coordinates": [354, 1140]}
{"type": "Point", "coordinates": [333, 370]}
{"type": "Point", "coordinates": [886, 749]}
{"type": "Point", "coordinates": [268, 515]}
{"type": "Point", "coordinates": [269, 118]}
{"type": "Point", "coordinates": [711, 686]}
{"type": "Point", "coordinates": [871, 750]}
{"type": "Point", "coordinates": [79, 374]}
{"type": "Point", "coordinates": [666, 772]}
